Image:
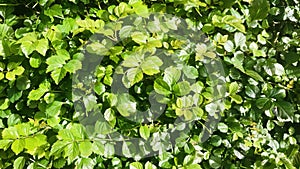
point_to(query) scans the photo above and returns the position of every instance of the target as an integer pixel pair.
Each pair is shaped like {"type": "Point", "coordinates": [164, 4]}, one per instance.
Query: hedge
{"type": "Point", "coordinates": [149, 84]}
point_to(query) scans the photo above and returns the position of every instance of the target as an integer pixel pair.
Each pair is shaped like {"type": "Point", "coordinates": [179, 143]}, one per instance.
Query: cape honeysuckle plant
{"type": "Point", "coordinates": [43, 44]}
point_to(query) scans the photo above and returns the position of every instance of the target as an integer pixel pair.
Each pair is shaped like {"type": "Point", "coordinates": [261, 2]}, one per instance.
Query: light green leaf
{"type": "Point", "coordinates": [10, 76]}
{"type": "Point", "coordinates": [36, 94]}
{"type": "Point", "coordinates": [17, 146]}
{"type": "Point", "coordinates": [77, 131]}
{"type": "Point", "coordinates": [133, 76]}
{"type": "Point", "coordinates": [236, 98]}
{"type": "Point", "coordinates": [58, 74]}
{"type": "Point", "coordinates": [58, 147]}
{"type": "Point", "coordinates": [18, 70]}
{"type": "Point", "coordinates": [151, 65]}
{"type": "Point", "coordinates": [149, 165]}
{"type": "Point", "coordinates": [182, 88]}
{"type": "Point", "coordinates": [53, 109]}
{"type": "Point", "coordinates": [41, 46]}
{"type": "Point", "coordinates": [161, 87]}
{"type": "Point", "coordinates": [71, 151]}
{"type": "Point", "coordinates": [72, 66]}
{"type": "Point", "coordinates": [125, 31]}
{"type": "Point", "coordinates": [144, 132]}
{"type": "Point", "coordinates": [237, 60]}
{"type": "Point", "coordinates": [136, 165]}
{"type": "Point", "coordinates": [55, 62]}
{"type": "Point", "coordinates": [10, 133]}
{"type": "Point", "coordinates": [140, 9]}
{"type": "Point", "coordinates": [139, 37]}
{"type": "Point", "coordinates": [35, 61]}
{"type": "Point", "coordinates": [4, 104]}
{"type": "Point", "coordinates": [222, 127]}
{"type": "Point", "coordinates": [133, 60]}
{"type": "Point", "coordinates": [4, 144]}
{"type": "Point", "coordinates": [85, 148]}
{"type": "Point", "coordinates": [19, 163]}
{"type": "Point", "coordinates": [171, 75]}
{"type": "Point", "coordinates": [254, 75]}
{"type": "Point", "coordinates": [233, 88]}
{"type": "Point", "coordinates": [190, 72]}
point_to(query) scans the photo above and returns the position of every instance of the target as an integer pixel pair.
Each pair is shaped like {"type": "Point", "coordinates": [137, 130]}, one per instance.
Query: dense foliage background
{"type": "Point", "coordinates": [41, 47]}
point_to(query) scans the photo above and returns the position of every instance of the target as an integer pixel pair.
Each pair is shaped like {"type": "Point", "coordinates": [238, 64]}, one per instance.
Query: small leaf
{"type": "Point", "coordinates": [85, 148]}
{"type": "Point", "coordinates": [42, 46]}
{"type": "Point", "coordinates": [72, 66]}
{"type": "Point", "coordinates": [229, 46]}
{"type": "Point", "coordinates": [254, 75]}
{"type": "Point", "coordinates": [161, 87]}
{"type": "Point", "coordinates": [58, 74]}
{"type": "Point", "coordinates": [144, 132]}
{"type": "Point", "coordinates": [190, 72]}
{"type": "Point", "coordinates": [182, 88]}
{"type": "Point", "coordinates": [222, 127]}
{"type": "Point", "coordinates": [17, 146]}
{"type": "Point", "coordinates": [233, 88]}
{"type": "Point", "coordinates": [19, 163]}
{"type": "Point", "coordinates": [136, 165]}
{"type": "Point", "coordinates": [151, 65]}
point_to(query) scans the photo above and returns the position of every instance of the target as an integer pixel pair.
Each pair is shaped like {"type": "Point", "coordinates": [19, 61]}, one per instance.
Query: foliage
{"type": "Point", "coordinates": [41, 48]}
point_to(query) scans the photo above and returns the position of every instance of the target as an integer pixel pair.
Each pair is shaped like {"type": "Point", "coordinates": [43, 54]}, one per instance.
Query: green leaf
{"type": "Point", "coordinates": [161, 87]}
{"type": "Point", "coordinates": [140, 9]}
{"type": "Point", "coordinates": [234, 22]}
{"type": "Point", "coordinates": [149, 165]}
{"type": "Point", "coordinates": [10, 133]}
{"type": "Point", "coordinates": [237, 60]}
{"type": "Point", "coordinates": [125, 105]}
{"type": "Point", "coordinates": [144, 132]}
{"type": "Point", "coordinates": [254, 75]}
{"type": "Point", "coordinates": [18, 70]}
{"type": "Point", "coordinates": [259, 9]}
{"type": "Point", "coordinates": [182, 88]}
{"type": "Point", "coordinates": [171, 75]}
{"type": "Point", "coordinates": [53, 109]}
{"type": "Point", "coordinates": [85, 148]}
{"type": "Point", "coordinates": [136, 165]}
{"type": "Point", "coordinates": [222, 127]}
{"type": "Point", "coordinates": [139, 37]}
{"type": "Point", "coordinates": [132, 60]}
{"type": "Point", "coordinates": [77, 131]}
{"type": "Point", "coordinates": [58, 147]}
{"type": "Point", "coordinates": [19, 163]}
{"type": "Point", "coordinates": [41, 46]}
{"type": "Point", "coordinates": [150, 65]}
{"type": "Point", "coordinates": [4, 104]}
{"type": "Point", "coordinates": [132, 76]}
{"type": "Point", "coordinates": [286, 110]}
{"type": "Point", "coordinates": [71, 151]}
{"type": "Point", "coordinates": [239, 39]}
{"type": "Point", "coordinates": [4, 144]}
{"type": "Point", "coordinates": [55, 62]}
{"type": "Point", "coordinates": [215, 162]}
{"type": "Point", "coordinates": [233, 88]}
{"type": "Point", "coordinates": [236, 98]}
{"type": "Point", "coordinates": [17, 146]}
{"type": "Point", "coordinates": [36, 94]}
{"type": "Point", "coordinates": [10, 76]}
{"type": "Point", "coordinates": [190, 72]}
{"type": "Point", "coordinates": [86, 163]}
{"type": "Point", "coordinates": [193, 166]}
{"type": "Point", "coordinates": [54, 11]}
{"type": "Point", "coordinates": [229, 46]}
{"type": "Point", "coordinates": [35, 61]}
{"type": "Point", "coordinates": [125, 31]}
{"type": "Point", "coordinates": [72, 66]}
{"type": "Point", "coordinates": [58, 74]}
